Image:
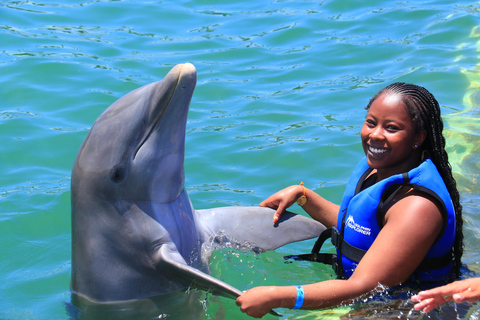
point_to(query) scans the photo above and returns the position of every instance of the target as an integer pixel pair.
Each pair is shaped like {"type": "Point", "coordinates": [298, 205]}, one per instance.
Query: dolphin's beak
{"type": "Point", "coordinates": [162, 146]}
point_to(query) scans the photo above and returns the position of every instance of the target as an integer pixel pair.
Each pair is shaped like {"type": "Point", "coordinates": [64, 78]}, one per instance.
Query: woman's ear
{"type": "Point", "coordinates": [420, 138]}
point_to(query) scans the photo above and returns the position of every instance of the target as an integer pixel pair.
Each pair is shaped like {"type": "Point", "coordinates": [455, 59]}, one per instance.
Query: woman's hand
{"type": "Point", "coordinates": [256, 302]}
{"type": "Point", "coordinates": [259, 301]}
{"type": "Point", "coordinates": [459, 291]}
{"type": "Point", "coordinates": [282, 200]}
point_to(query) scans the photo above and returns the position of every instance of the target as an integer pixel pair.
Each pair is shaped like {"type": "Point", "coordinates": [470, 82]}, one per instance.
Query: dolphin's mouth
{"type": "Point", "coordinates": [162, 105]}
{"type": "Point", "coordinates": [152, 128]}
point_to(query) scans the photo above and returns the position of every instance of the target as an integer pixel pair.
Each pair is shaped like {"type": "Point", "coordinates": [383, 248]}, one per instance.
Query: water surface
{"type": "Point", "coordinates": [280, 99]}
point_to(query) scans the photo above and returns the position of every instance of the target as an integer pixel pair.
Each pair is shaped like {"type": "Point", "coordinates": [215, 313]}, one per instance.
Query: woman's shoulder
{"type": "Point", "coordinates": [414, 205]}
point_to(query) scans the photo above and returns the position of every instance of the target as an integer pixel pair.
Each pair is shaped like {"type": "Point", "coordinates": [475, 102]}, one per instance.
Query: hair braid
{"type": "Point", "coordinates": [425, 112]}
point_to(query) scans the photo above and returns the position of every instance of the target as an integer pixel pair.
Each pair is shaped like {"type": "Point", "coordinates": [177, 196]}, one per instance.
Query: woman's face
{"type": "Point", "coordinates": [388, 136]}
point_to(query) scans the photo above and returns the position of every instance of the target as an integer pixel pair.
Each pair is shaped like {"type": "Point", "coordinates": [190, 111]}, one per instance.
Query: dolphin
{"type": "Point", "coordinates": [135, 233]}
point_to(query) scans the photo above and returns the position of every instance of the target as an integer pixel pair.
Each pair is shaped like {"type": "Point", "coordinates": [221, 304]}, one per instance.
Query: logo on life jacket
{"type": "Point", "coordinates": [350, 223]}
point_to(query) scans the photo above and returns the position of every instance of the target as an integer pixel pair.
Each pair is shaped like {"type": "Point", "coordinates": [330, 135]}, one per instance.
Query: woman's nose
{"type": "Point", "coordinates": [377, 133]}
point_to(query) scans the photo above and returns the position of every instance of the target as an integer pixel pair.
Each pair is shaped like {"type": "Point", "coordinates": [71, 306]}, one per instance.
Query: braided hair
{"type": "Point", "coordinates": [425, 112]}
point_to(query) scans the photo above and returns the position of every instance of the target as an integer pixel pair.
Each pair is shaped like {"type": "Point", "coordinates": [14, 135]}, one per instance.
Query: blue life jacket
{"type": "Point", "coordinates": [361, 217]}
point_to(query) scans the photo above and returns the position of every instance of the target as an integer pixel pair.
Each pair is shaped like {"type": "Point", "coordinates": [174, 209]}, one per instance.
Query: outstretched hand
{"type": "Point", "coordinates": [257, 302]}
{"type": "Point", "coordinates": [459, 291]}
{"type": "Point", "coordinates": [282, 200]}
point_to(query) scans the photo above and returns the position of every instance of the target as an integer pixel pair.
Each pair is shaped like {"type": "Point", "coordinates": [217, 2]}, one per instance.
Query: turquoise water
{"type": "Point", "coordinates": [280, 97]}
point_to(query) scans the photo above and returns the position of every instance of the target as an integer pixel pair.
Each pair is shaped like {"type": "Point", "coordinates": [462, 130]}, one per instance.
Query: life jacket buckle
{"type": "Point", "coordinates": [335, 237]}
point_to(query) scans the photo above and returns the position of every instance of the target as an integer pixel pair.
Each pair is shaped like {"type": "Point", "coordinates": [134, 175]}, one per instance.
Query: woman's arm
{"type": "Point", "coordinates": [411, 227]}
{"type": "Point", "coordinates": [317, 207]}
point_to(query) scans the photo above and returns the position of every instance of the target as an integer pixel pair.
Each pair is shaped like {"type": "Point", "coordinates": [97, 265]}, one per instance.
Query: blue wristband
{"type": "Point", "coordinates": [300, 297]}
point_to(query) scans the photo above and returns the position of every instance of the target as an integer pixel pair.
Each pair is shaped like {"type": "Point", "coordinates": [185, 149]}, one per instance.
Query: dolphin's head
{"type": "Point", "coordinates": [136, 147]}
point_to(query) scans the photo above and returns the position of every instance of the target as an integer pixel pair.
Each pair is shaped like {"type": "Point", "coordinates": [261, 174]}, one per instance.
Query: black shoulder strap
{"type": "Point", "coordinates": [326, 258]}
{"type": "Point", "coordinates": [315, 255]}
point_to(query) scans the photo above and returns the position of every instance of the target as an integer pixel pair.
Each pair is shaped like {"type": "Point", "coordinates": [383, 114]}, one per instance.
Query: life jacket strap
{"type": "Point", "coordinates": [326, 258]}
{"type": "Point", "coordinates": [316, 256]}
{"type": "Point", "coordinates": [436, 263]}
{"type": "Point", "coordinates": [355, 254]}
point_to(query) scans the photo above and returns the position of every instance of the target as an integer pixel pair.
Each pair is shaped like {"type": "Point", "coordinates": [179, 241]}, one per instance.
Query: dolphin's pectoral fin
{"type": "Point", "coordinates": [171, 262]}
{"type": "Point", "coordinates": [253, 226]}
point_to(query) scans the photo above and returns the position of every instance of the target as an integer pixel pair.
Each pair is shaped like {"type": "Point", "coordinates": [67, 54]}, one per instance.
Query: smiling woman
{"type": "Point", "coordinates": [403, 189]}
{"type": "Point", "coordinates": [389, 138]}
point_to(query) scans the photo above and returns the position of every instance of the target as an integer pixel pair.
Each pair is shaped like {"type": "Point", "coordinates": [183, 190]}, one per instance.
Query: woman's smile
{"type": "Point", "coordinates": [376, 150]}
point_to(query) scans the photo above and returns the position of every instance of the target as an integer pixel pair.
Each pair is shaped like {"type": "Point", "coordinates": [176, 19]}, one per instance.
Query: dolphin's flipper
{"type": "Point", "coordinates": [170, 261]}
{"type": "Point", "coordinates": [253, 226]}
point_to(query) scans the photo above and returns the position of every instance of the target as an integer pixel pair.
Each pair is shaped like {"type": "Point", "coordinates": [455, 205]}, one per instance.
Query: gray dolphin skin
{"type": "Point", "coordinates": [135, 233]}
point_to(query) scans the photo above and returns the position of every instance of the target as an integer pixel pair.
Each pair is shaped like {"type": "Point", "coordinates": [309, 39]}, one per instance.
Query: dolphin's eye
{"type": "Point", "coordinates": [117, 175]}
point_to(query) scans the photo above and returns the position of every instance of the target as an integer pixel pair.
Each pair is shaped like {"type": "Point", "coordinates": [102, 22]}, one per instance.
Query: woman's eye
{"type": "Point", "coordinates": [370, 123]}
{"type": "Point", "coordinates": [392, 128]}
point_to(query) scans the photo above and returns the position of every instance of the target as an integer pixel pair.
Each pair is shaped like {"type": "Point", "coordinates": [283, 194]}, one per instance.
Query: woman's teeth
{"type": "Point", "coordinates": [377, 151]}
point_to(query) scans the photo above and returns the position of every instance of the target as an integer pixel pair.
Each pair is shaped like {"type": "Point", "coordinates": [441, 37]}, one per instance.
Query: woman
{"type": "Point", "coordinates": [402, 129]}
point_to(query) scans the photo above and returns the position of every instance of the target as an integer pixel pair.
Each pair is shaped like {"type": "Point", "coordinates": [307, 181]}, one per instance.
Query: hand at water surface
{"type": "Point", "coordinates": [258, 301]}
{"type": "Point", "coordinates": [459, 291]}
